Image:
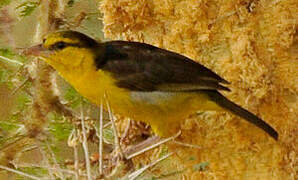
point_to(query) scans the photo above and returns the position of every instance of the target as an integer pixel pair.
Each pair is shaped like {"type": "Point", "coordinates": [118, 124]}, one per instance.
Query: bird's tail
{"type": "Point", "coordinates": [239, 111]}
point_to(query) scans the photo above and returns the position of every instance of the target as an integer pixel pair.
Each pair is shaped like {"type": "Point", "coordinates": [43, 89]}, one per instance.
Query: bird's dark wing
{"type": "Point", "coordinates": [142, 67]}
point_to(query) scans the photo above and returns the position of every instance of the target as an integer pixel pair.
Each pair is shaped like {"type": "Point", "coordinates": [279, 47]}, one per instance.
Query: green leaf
{"type": "Point", "coordinates": [3, 75]}
{"type": "Point", "coordinates": [70, 94]}
{"type": "Point", "coordinates": [37, 171]}
{"type": "Point", "coordinates": [8, 126]}
{"type": "Point", "coordinates": [23, 100]}
{"type": "Point", "coordinates": [192, 158]}
{"type": "Point", "coordinates": [153, 178]}
{"type": "Point", "coordinates": [108, 135]}
{"type": "Point", "coordinates": [4, 3]}
{"type": "Point", "coordinates": [73, 97]}
{"type": "Point", "coordinates": [164, 151]}
{"type": "Point", "coordinates": [60, 131]}
{"type": "Point", "coordinates": [26, 8]}
{"type": "Point", "coordinates": [201, 166]}
{"type": "Point", "coordinates": [59, 127]}
{"type": "Point", "coordinates": [5, 52]}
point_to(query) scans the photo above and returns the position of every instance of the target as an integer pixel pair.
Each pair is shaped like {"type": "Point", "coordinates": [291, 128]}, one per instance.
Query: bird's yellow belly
{"type": "Point", "coordinates": [165, 110]}
{"type": "Point", "coordinates": [162, 110]}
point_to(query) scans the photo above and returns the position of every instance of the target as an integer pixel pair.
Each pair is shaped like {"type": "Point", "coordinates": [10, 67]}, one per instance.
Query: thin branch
{"type": "Point", "coordinates": [117, 142]}
{"type": "Point", "coordinates": [46, 161]}
{"type": "Point", "coordinates": [187, 145]}
{"type": "Point", "coordinates": [153, 146]}
{"type": "Point", "coordinates": [20, 173]}
{"type": "Point", "coordinates": [100, 138]}
{"type": "Point", "coordinates": [76, 159]}
{"type": "Point", "coordinates": [20, 86]}
{"type": "Point", "coordinates": [72, 142]}
{"type": "Point", "coordinates": [60, 8]}
{"type": "Point", "coordinates": [137, 173]}
{"type": "Point", "coordinates": [76, 162]}
{"type": "Point", "coordinates": [29, 149]}
{"type": "Point", "coordinates": [107, 124]}
{"type": "Point", "coordinates": [55, 161]}
{"type": "Point", "coordinates": [5, 59]}
{"type": "Point", "coordinates": [55, 169]}
{"type": "Point", "coordinates": [126, 130]}
{"type": "Point", "coordinates": [85, 145]}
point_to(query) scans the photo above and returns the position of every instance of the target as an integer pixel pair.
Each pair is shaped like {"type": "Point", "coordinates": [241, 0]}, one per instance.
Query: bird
{"type": "Point", "coordinates": [140, 81]}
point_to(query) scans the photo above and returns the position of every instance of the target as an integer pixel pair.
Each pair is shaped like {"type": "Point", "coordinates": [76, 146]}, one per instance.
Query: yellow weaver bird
{"type": "Point", "coordinates": [141, 81]}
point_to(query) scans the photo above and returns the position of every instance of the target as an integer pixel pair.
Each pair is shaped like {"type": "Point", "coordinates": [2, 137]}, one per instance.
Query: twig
{"type": "Point", "coordinates": [117, 142]}
{"type": "Point", "coordinates": [72, 142]}
{"type": "Point", "coordinates": [224, 16]}
{"type": "Point", "coordinates": [85, 145]}
{"type": "Point", "coordinates": [76, 159]}
{"type": "Point", "coordinates": [29, 149]}
{"type": "Point", "coordinates": [126, 130]}
{"type": "Point", "coordinates": [135, 174]}
{"type": "Point", "coordinates": [60, 8]}
{"type": "Point", "coordinates": [55, 169]}
{"type": "Point", "coordinates": [11, 60]}
{"type": "Point", "coordinates": [153, 146]}
{"type": "Point", "coordinates": [20, 86]}
{"type": "Point", "coordinates": [107, 124]}
{"type": "Point", "coordinates": [55, 161]}
{"type": "Point", "coordinates": [46, 162]}
{"type": "Point", "coordinates": [76, 162]}
{"type": "Point", "coordinates": [187, 145]}
{"type": "Point", "coordinates": [100, 138]}
{"type": "Point", "coordinates": [20, 173]}
{"type": "Point", "coordinates": [140, 146]}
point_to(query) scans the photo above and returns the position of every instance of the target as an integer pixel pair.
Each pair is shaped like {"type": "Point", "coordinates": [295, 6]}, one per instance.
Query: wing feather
{"type": "Point", "coordinates": [142, 67]}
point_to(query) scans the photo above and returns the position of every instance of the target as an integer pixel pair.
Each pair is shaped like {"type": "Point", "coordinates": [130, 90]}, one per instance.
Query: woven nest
{"type": "Point", "coordinates": [253, 45]}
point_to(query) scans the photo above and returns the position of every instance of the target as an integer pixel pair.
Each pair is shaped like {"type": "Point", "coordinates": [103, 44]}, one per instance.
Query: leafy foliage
{"type": "Point", "coordinates": [8, 53]}
{"type": "Point", "coordinates": [23, 101]}
{"type": "Point", "coordinates": [8, 126]}
{"type": "Point", "coordinates": [26, 8]}
{"type": "Point", "coordinates": [108, 135]}
{"type": "Point", "coordinates": [201, 166]}
{"type": "Point", "coordinates": [192, 158]}
{"type": "Point", "coordinates": [59, 127]}
{"type": "Point", "coordinates": [3, 75]}
{"type": "Point", "coordinates": [4, 3]}
{"type": "Point", "coordinates": [33, 171]}
{"type": "Point", "coordinates": [164, 151]}
{"type": "Point", "coordinates": [73, 97]}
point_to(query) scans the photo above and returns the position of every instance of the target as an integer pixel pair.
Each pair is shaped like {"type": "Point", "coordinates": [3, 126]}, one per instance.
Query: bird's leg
{"type": "Point", "coordinates": [140, 146]}
{"type": "Point", "coordinates": [147, 145]}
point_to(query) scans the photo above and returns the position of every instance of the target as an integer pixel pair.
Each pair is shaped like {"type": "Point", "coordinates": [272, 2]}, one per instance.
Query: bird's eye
{"type": "Point", "coordinates": [59, 45]}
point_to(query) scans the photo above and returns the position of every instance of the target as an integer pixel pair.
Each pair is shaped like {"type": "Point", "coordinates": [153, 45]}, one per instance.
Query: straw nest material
{"type": "Point", "coordinates": [253, 45]}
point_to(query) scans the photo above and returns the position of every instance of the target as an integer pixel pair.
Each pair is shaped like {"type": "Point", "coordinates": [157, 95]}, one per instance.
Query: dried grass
{"type": "Point", "coordinates": [251, 44]}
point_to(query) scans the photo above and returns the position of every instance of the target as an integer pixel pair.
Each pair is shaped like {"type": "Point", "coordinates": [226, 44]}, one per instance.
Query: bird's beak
{"type": "Point", "coordinates": [37, 50]}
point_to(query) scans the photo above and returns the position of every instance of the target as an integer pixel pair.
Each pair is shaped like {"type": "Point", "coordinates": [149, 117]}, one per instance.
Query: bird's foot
{"type": "Point", "coordinates": [147, 145]}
